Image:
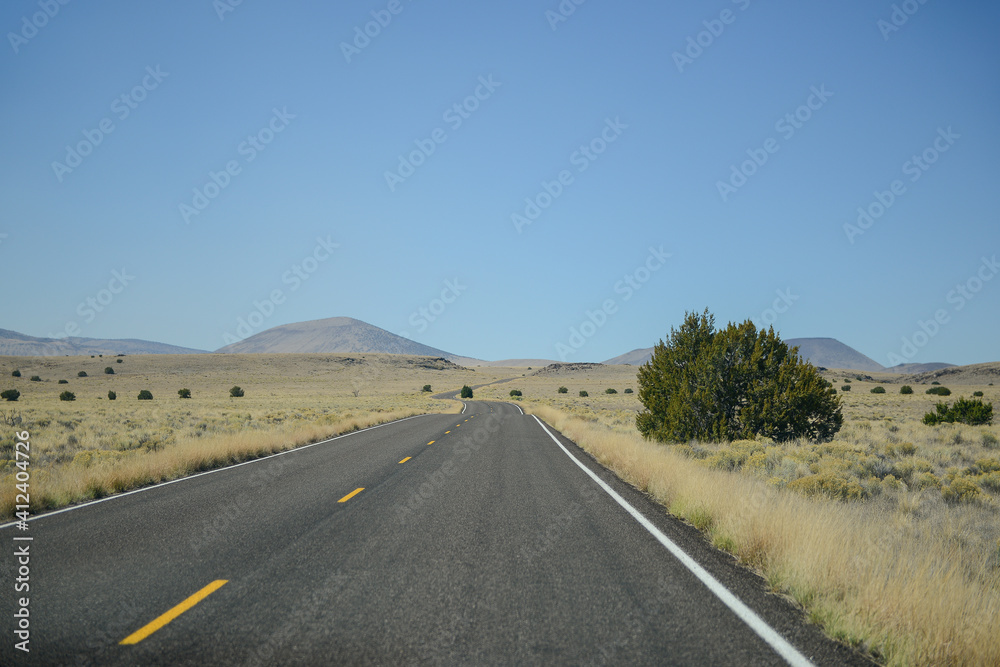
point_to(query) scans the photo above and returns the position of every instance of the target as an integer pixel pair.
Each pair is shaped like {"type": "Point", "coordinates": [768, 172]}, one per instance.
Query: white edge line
{"type": "Point", "coordinates": [519, 408]}
{"type": "Point", "coordinates": [160, 485]}
{"type": "Point", "coordinates": [747, 615]}
{"type": "Point", "coordinates": [464, 406]}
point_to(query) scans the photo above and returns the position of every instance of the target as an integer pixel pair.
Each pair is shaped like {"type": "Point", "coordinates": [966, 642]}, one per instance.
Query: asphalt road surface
{"type": "Point", "coordinates": [474, 539]}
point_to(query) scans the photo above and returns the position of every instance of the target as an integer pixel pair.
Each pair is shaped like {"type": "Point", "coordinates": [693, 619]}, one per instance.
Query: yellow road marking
{"type": "Point", "coordinates": [159, 622]}
{"type": "Point", "coordinates": [447, 432]}
{"type": "Point", "coordinates": [433, 441]}
{"type": "Point", "coordinates": [406, 459]}
{"type": "Point", "coordinates": [351, 494]}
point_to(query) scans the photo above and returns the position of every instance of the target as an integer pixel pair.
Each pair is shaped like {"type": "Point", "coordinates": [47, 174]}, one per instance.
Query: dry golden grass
{"type": "Point", "coordinates": [92, 446]}
{"type": "Point", "coordinates": [906, 567]}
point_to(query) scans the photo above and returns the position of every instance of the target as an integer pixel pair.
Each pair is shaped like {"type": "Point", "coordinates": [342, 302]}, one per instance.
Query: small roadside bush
{"type": "Point", "coordinates": [878, 390]}
{"type": "Point", "coordinates": [562, 390]}
{"type": "Point", "coordinates": [145, 395]}
{"type": "Point", "coordinates": [515, 392]}
{"type": "Point", "coordinates": [935, 382]}
{"type": "Point", "coordinates": [63, 382]}
{"type": "Point", "coordinates": [978, 394]}
{"type": "Point", "coordinates": [35, 378]}
{"type": "Point", "coordinates": [108, 370]}
{"type": "Point", "coordinates": [906, 389]}
{"type": "Point", "coordinates": [427, 387]}
{"type": "Point", "coordinates": [466, 391]}
{"type": "Point", "coordinates": [628, 390]}
{"type": "Point", "coordinates": [184, 393]}
{"type": "Point", "coordinates": [67, 396]}
{"type": "Point", "coordinates": [82, 374]}
{"type": "Point", "coordinates": [118, 361]}
{"type": "Point", "coordinates": [973, 412]}
{"type": "Point", "coordinates": [236, 392]}
{"type": "Point", "coordinates": [16, 374]}
{"type": "Point", "coordinates": [939, 391]}
{"type": "Point", "coordinates": [10, 394]}
{"type": "Point", "coordinates": [846, 387]}
{"type": "Point", "coordinates": [583, 393]}
{"type": "Point", "coordinates": [112, 396]}
{"type": "Point", "coordinates": [832, 391]}
{"type": "Point", "coordinates": [609, 390]}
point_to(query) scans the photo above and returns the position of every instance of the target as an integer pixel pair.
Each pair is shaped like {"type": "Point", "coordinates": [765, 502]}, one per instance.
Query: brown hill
{"type": "Point", "coordinates": [17, 344]}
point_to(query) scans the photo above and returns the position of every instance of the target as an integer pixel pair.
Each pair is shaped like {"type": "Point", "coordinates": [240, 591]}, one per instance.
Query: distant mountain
{"type": "Point", "coordinates": [634, 358]}
{"type": "Point", "coordinates": [20, 345]}
{"type": "Point", "coordinates": [913, 369]}
{"type": "Point", "coordinates": [827, 352]}
{"type": "Point", "coordinates": [831, 353]}
{"type": "Point", "coordinates": [332, 335]}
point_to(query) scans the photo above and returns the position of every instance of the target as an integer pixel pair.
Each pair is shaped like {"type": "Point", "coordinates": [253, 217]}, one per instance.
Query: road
{"type": "Point", "coordinates": [475, 539]}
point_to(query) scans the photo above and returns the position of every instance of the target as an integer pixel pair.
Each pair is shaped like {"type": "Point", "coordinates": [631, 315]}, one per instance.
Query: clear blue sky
{"type": "Point", "coordinates": [199, 82]}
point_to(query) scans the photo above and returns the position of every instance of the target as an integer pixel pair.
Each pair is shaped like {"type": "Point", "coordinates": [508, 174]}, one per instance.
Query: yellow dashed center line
{"type": "Point", "coordinates": [432, 442]}
{"type": "Point", "coordinates": [351, 494]}
{"type": "Point", "coordinates": [161, 621]}
{"type": "Point", "coordinates": [447, 432]}
{"type": "Point", "coordinates": [406, 459]}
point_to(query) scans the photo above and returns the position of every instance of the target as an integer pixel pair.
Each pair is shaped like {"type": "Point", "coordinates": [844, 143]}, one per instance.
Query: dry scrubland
{"type": "Point", "coordinates": [889, 536]}
{"type": "Point", "coordinates": [92, 447]}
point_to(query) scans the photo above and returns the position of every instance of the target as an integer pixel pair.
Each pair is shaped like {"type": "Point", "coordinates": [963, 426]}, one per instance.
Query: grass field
{"type": "Point", "coordinates": [888, 536]}
{"type": "Point", "coordinates": [93, 446]}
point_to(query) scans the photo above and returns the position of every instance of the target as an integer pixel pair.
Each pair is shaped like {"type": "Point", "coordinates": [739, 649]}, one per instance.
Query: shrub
{"type": "Point", "coordinates": [990, 441]}
{"type": "Point", "coordinates": [16, 374]}
{"type": "Point", "coordinates": [878, 390]}
{"type": "Point", "coordinates": [427, 387]}
{"type": "Point", "coordinates": [847, 380]}
{"type": "Point", "coordinates": [108, 370]}
{"type": "Point", "coordinates": [906, 389]}
{"type": "Point", "coordinates": [628, 390]}
{"type": "Point", "coordinates": [145, 395]}
{"type": "Point", "coordinates": [236, 392]}
{"type": "Point", "coordinates": [846, 387]}
{"type": "Point", "coordinates": [118, 361]}
{"type": "Point", "coordinates": [961, 490]}
{"type": "Point", "coordinates": [67, 396]}
{"type": "Point", "coordinates": [939, 391]}
{"type": "Point", "coordinates": [63, 382]}
{"type": "Point", "coordinates": [978, 394]}
{"type": "Point", "coordinates": [112, 395]}
{"type": "Point", "coordinates": [935, 382]}
{"type": "Point", "coordinates": [967, 411]}
{"type": "Point", "coordinates": [562, 390]}
{"type": "Point", "coordinates": [82, 374]}
{"type": "Point", "coordinates": [735, 383]}
{"type": "Point", "coordinates": [583, 393]}
{"type": "Point", "coordinates": [466, 391]}
{"type": "Point", "coordinates": [35, 378]}
{"type": "Point", "coordinates": [832, 391]}
{"type": "Point", "coordinates": [515, 392]}
{"type": "Point", "coordinates": [10, 394]}
{"type": "Point", "coordinates": [609, 390]}
{"type": "Point", "coordinates": [184, 393]}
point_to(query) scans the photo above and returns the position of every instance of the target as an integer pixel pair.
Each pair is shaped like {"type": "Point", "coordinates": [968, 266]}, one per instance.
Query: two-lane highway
{"type": "Point", "coordinates": [447, 539]}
